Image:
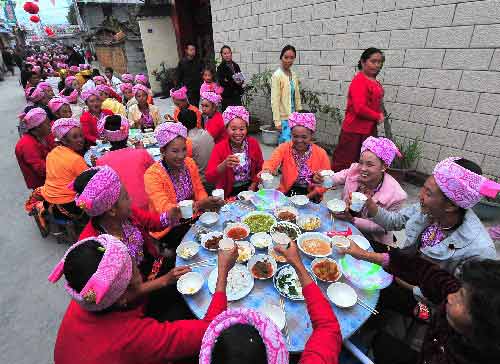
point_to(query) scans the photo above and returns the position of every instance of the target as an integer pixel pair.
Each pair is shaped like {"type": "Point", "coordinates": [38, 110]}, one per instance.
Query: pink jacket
{"type": "Point", "coordinates": [390, 196]}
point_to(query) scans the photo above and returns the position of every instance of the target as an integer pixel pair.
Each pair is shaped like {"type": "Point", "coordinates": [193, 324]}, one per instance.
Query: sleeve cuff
{"type": "Point", "coordinates": [166, 221]}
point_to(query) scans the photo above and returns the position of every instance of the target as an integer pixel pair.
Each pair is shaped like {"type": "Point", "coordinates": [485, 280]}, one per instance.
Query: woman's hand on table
{"type": "Point", "coordinates": [356, 252]}
{"type": "Point", "coordinates": [93, 160]}
{"type": "Point", "coordinates": [344, 216]}
{"type": "Point", "coordinates": [173, 275]}
{"type": "Point", "coordinates": [168, 117]}
{"type": "Point", "coordinates": [293, 258]}
{"type": "Point", "coordinates": [317, 178]}
{"type": "Point", "coordinates": [139, 145]}
{"type": "Point", "coordinates": [253, 186]}
{"type": "Point", "coordinates": [226, 259]}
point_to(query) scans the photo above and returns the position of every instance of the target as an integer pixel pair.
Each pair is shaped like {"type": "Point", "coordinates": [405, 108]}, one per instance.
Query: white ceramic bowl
{"type": "Point", "coordinates": [336, 206]}
{"type": "Point", "coordinates": [289, 209]}
{"type": "Point", "coordinates": [209, 218]}
{"type": "Point", "coordinates": [261, 240]}
{"type": "Point", "coordinates": [262, 258]}
{"type": "Point", "coordinates": [361, 241]}
{"type": "Point", "coordinates": [303, 220]}
{"type": "Point", "coordinates": [208, 236]}
{"type": "Point", "coordinates": [306, 236]}
{"type": "Point", "coordinates": [299, 200]}
{"type": "Point", "coordinates": [342, 295]}
{"type": "Point", "coordinates": [245, 251]}
{"type": "Point", "coordinates": [237, 224]}
{"type": "Point", "coordinates": [319, 260]}
{"type": "Point", "coordinates": [276, 314]}
{"type": "Point", "coordinates": [245, 195]}
{"type": "Point", "coordinates": [187, 250]}
{"type": "Point", "coordinates": [190, 283]}
{"type": "Point", "coordinates": [340, 242]}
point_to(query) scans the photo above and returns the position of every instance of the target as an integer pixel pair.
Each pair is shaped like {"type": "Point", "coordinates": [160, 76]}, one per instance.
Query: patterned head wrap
{"type": "Point", "coordinates": [44, 86]}
{"type": "Point", "coordinates": [90, 92]}
{"type": "Point", "coordinates": [104, 88]}
{"type": "Point", "coordinates": [33, 118]}
{"type": "Point", "coordinates": [72, 98]}
{"type": "Point", "coordinates": [168, 131]}
{"type": "Point", "coordinates": [233, 112]}
{"type": "Point", "coordinates": [113, 135]}
{"type": "Point", "coordinates": [99, 79]}
{"type": "Point", "coordinates": [180, 94]}
{"type": "Point", "coordinates": [462, 186]}
{"type": "Point", "coordinates": [56, 103]}
{"type": "Point", "coordinates": [383, 148]}
{"type": "Point", "coordinates": [75, 69]}
{"type": "Point", "coordinates": [62, 126]}
{"type": "Point", "coordinates": [37, 94]}
{"type": "Point", "coordinates": [84, 66]}
{"type": "Point", "coordinates": [68, 82]}
{"type": "Point", "coordinates": [140, 87]}
{"type": "Point", "coordinates": [127, 78]}
{"type": "Point", "coordinates": [307, 120]}
{"type": "Point", "coordinates": [101, 193]}
{"type": "Point", "coordinates": [211, 87]}
{"type": "Point", "coordinates": [276, 350]}
{"type": "Point", "coordinates": [110, 280]}
{"type": "Point", "coordinates": [212, 97]}
{"type": "Point", "coordinates": [140, 78]}
{"type": "Point", "coordinates": [126, 87]}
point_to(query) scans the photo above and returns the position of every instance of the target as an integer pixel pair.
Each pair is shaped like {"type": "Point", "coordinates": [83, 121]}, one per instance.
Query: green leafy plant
{"type": "Point", "coordinates": [411, 150]}
{"type": "Point", "coordinates": [166, 76]}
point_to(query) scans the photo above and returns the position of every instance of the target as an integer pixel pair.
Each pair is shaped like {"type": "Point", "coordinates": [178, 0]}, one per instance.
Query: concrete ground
{"type": "Point", "coordinates": [31, 308]}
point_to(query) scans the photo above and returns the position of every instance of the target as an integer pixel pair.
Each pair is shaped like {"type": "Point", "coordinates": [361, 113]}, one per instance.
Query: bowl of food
{"type": "Point", "coordinates": [237, 231]}
{"type": "Point", "coordinates": [190, 283]}
{"type": "Point", "coordinates": [286, 213]}
{"type": "Point", "coordinates": [340, 242]}
{"type": "Point", "coordinates": [245, 195]}
{"type": "Point", "coordinates": [261, 240]}
{"type": "Point", "coordinates": [209, 218]}
{"type": "Point", "coordinates": [289, 229]}
{"type": "Point", "coordinates": [342, 294]}
{"type": "Point", "coordinates": [210, 241]}
{"type": "Point", "coordinates": [187, 249]}
{"type": "Point", "coordinates": [262, 266]}
{"type": "Point", "coordinates": [259, 222]}
{"type": "Point", "coordinates": [275, 255]}
{"type": "Point", "coordinates": [336, 206]}
{"type": "Point", "coordinates": [315, 245]}
{"type": "Point", "coordinates": [309, 222]}
{"type": "Point", "coordinates": [245, 251]}
{"type": "Point", "coordinates": [326, 269]}
{"type": "Point", "coordinates": [287, 283]}
{"type": "Point", "coordinates": [299, 200]}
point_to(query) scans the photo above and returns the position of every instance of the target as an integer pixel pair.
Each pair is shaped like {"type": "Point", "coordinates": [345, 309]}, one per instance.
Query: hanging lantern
{"type": "Point", "coordinates": [35, 18]}
{"type": "Point", "coordinates": [31, 8]}
{"type": "Point", "coordinates": [49, 31]}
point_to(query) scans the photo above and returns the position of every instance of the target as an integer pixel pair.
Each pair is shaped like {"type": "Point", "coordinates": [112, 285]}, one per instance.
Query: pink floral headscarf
{"type": "Point", "coordinates": [277, 352]}
{"type": "Point", "coordinates": [36, 69]}
{"type": "Point", "coordinates": [140, 87]}
{"type": "Point", "coordinates": [307, 120]}
{"type": "Point", "coordinates": [180, 94]}
{"type": "Point", "coordinates": [168, 131]}
{"type": "Point", "coordinates": [101, 193]}
{"type": "Point", "coordinates": [128, 78]}
{"type": "Point", "coordinates": [99, 78]}
{"type": "Point", "coordinates": [104, 88]}
{"type": "Point", "coordinates": [69, 81]}
{"type": "Point", "coordinates": [90, 92]}
{"type": "Point", "coordinates": [110, 280]}
{"type": "Point", "coordinates": [140, 78]}
{"type": "Point", "coordinates": [464, 187]}
{"type": "Point", "coordinates": [62, 126]}
{"type": "Point", "coordinates": [56, 103]}
{"type": "Point", "coordinates": [44, 86]}
{"type": "Point", "coordinates": [233, 112]}
{"type": "Point", "coordinates": [383, 148]}
{"type": "Point", "coordinates": [113, 135]}
{"type": "Point", "coordinates": [75, 69]}
{"type": "Point", "coordinates": [126, 86]}
{"type": "Point", "coordinates": [211, 87]}
{"type": "Point", "coordinates": [33, 118]}
{"type": "Point", "coordinates": [84, 66]}
{"type": "Point", "coordinates": [37, 94]}
{"type": "Point", "coordinates": [212, 97]}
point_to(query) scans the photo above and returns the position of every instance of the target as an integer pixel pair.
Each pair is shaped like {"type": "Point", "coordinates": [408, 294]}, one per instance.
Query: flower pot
{"type": "Point", "coordinates": [487, 210]}
{"type": "Point", "coordinates": [269, 135]}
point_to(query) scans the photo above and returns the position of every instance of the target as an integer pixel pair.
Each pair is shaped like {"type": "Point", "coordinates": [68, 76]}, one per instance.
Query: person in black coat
{"type": "Point", "coordinates": [189, 74]}
{"type": "Point", "coordinates": [231, 96]}
{"type": "Point", "coordinates": [74, 58]}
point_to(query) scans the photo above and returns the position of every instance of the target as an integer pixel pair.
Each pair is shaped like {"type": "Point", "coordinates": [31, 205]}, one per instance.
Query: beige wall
{"type": "Point", "coordinates": [159, 46]}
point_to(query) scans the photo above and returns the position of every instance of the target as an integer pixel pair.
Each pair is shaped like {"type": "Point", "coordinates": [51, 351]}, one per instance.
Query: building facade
{"type": "Point", "coordinates": [441, 75]}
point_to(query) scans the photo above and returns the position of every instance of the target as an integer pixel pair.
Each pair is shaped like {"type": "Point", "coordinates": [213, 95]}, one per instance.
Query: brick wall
{"type": "Point", "coordinates": [442, 70]}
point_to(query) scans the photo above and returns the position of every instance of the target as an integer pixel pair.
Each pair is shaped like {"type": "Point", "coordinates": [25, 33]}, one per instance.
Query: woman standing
{"type": "Point", "coordinates": [143, 115]}
{"type": "Point", "coordinates": [285, 93]}
{"type": "Point", "coordinates": [91, 116]}
{"type": "Point", "coordinates": [224, 167]}
{"type": "Point", "coordinates": [363, 111]}
{"type": "Point", "coordinates": [214, 123]}
{"type": "Point", "coordinates": [233, 86]}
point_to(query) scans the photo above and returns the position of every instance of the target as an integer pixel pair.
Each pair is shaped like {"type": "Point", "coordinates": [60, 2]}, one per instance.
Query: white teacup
{"type": "Point", "coordinates": [226, 244]}
{"type": "Point", "coordinates": [357, 201]}
{"type": "Point", "coordinates": [327, 178]}
{"type": "Point", "coordinates": [186, 207]}
{"type": "Point", "coordinates": [218, 193]}
{"type": "Point", "coordinates": [267, 179]}
{"type": "Point", "coordinates": [241, 157]}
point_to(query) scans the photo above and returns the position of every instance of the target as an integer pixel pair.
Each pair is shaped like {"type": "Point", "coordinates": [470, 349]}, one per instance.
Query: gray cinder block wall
{"type": "Point", "coordinates": [442, 70]}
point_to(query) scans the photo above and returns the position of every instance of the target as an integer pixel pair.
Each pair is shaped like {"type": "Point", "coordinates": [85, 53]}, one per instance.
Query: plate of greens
{"type": "Point", "coordinates": [287, 283]}
{"type": "Point", "coordinates": [259, 222]}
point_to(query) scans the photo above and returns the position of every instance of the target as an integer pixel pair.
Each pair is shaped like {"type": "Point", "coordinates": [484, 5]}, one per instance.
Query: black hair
{"type": "Point", "coordinates": [482, 283]}
{"type": "Point", "coordinates": [95, 72]}
{"type": "Point", "coordinates": [367, 53]}
{"type": "Point", "coordinates": [239, 344]}
{"type": "Point", "coordinates": [209, 68]}
{"type": "Point", "coordinates": [68, 90]}
{"type": "Point", "coordinates": [189, 44]}
{"type": "Point", "coordinates": [110, 69]}
{"type": "Point", "coordinates": [81, 263]}
{"type": "Point", "coordinates": [114, 123]}
{"type": "Point", "coordinates": [225, 47]}
{"type": "Point", "coordinates": [287, 48]}
{"type": "Point", "coordinates": [83, 179]}
{"type": "Point", "coordinates": [187, 118]}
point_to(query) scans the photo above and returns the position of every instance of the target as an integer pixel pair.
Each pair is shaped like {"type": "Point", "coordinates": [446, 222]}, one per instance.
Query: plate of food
{"type": "Point", "coordinates": [286, 213]}
{"type": "Point", "coordinates": [261, 240]}
{"type": "Point", "coordinates": [299, 200]}
{"type": "Point", "coordinates": [315, 245]}
{"type": "Point", "coordinates": [187, 249]}
{"type": "Point", "coordinates": [287, 283]}
{"type": "Point", "coordinates": [209, 218]}
{"type": "Point", "coordinates": [276, 256]}
{"type": "Point", "coordinates": [190, 283]}
{"type": "Point", "coordinates": [239, 282]}
{"type": "Point", "coordinates": [237, 231]}
{"type": "Point", "coordinates": [326, 269]}
{"type": "Point", "coordinates": [259, 222]}
{"type": "Point", "coordinates": [210, 241]}
{"type": "Point", "coordinates": [287, 228]}
{"type": "Point", "coordinates": [309, 222]}
{"type": "Point", "coordinates": [262, 266]}
{"type": "Point", "coordinates": [245, 251]}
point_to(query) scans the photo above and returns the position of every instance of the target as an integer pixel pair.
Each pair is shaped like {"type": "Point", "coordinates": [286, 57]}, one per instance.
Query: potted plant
{"type": "Point", "coordinates": [488, 208]}
{"type": "Point", "coordinates": [167, 78]}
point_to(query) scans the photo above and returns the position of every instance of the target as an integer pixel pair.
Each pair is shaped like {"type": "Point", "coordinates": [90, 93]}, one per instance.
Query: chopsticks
{"type": "Point", "coordinates": [367, 307]}
{"type": "Point", "coordinates": [202, 263]}
{"type": "Point", "coordinates": [287, 334]}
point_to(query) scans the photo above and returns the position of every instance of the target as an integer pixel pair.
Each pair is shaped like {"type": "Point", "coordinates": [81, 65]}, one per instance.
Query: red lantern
{"type": "Point", "coordinates": [31, 8]}
{"type": "Point", "coordinates": [49, 31]}
{"type": "Point", "coordinates": [34, 18]}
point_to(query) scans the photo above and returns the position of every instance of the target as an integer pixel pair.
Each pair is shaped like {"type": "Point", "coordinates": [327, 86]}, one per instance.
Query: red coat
{"type": "Point", "coordinates": [226, 180]}
{"type": "Point", "coordinates": [89, 125]}
{"type": "Point", "coordinates": [128, 337]}
{"type": "Point", "coordinates": [31, 156]}
{"type": "Point", "coordinates": [364, 105]}
{"type": "Point", "coordinates": [215, 126]}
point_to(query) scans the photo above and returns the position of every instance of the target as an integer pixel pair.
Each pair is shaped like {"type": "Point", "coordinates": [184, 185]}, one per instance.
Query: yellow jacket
{"type": "Point", "coordinates": [135, 115]}
{"type": "Point", "coordinates": [281, 103]}
{"type": "Point", "coordinates": [115, 106]}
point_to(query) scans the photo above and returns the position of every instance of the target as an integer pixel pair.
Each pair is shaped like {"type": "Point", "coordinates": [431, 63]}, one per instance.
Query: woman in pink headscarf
{"type": "Point", "coordinates": [224, 168]}
{"type": "Point", "coordinates": [91, 116]}
{"type": "Point", "coordinates": [143, 115]}
{"type": "Point", "coordinates": [214, 122]}
{"type": "Point", "coordinates": [61, 108]}
{"type": "Point", "coordinates": [71, 90]}
{"type": "Point", "coordinates": [128, 95]}
{"type": "Point", "coordinates": [141, 79]}
{"type": "Point", "coordinates": [180, 99]}
{"type": "Point", "coordinates": [370, 177]}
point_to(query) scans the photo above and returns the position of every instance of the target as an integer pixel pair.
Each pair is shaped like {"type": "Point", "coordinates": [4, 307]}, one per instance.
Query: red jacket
{"type": "Point", "coordinates": [215, 126]}
{"type": "Point", "coordinates": [226, 180]}
{"type": "Point", "coordinates": [128, 337]}
{"type": "Point", "coordinates": [364, 105]}
{"type": "Point", "coordinates": [31, 156]}
{"type": "Point", "coordinates": [89, 125]}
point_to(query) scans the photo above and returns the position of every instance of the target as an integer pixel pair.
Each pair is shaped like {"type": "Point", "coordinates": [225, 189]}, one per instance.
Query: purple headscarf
{"type": "Point", "coordinates": [383, 148]}
{"type": "Point", "coordinates": [62, 126]}
{"type": "Point", "coordinates": [168, 131]}
{"type": "Point", "coordinates": [233, 112]}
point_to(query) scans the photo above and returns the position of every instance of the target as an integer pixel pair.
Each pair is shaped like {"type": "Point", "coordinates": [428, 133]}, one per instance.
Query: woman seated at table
{"type": "Point", "coordinates": [71, 89]}
{"type": "Point", "coordinates": [214, 122]}
{"type": "Point", "coordinates": [108, 102]}
{"type": "Point", "coordinates": [143, 115]}
{"type": "Point", "coordinates": [60, 107]}
{"type": "Point", "coordinates": [173, 179]}
{"type": "Point", "coordinates": [369, 177]}
{"type": "Point", "coordinates": [141, 79]}
{"type": "Point", "coordinates": [179, 97]}
{"type": "Point", "coordinates": [37, 97]}
{"type": "Point", "coordinates": [105, 321]}
{"type": "Point", "coordinates": [47, 88]}
{"type": "Point", "coordinates": [299, 159]}
{"type": "Point", "coordinates": [33, 147]}
{"type": "Point", "coordinates": [64, 163]}
{"type": "Point", "coordinates": [128, 95]}
{"type": "Point", "coordinates": [224, 168]}
{"type": "Point", "coordinates": [246, 336]}
{"type": "Point", "coordinates": [94, 113]}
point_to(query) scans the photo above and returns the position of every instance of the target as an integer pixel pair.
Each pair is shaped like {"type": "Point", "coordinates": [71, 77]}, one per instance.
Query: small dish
{"type": "Point", "coordinates": [210, 241]}
{"type": "Point", "coordinates": [187, 250]}
{"type": "Point", "coordinates": [276, 314]}
{"type": "Point", "coordinates": [190, 283]}
{"type": "Point", "coordinates": [340, 242]}
{"type": "Point", "coordinates": [316, 245]}
{"type": "Point", "coordinates": [237, 231]}
{"type": "Point", "coordinates": [245, 195]}
{"type": "Point", "coordinates": [336, 206]}
{"type": "Point", "coordinates": [299, 200]}
{"type": "Point", "coordinates": [309, 222]}
{"type": "Point", "coordinates": [209, 218]}
{"type": "Point", "coordinates": [342, 294]}
{"type": "Point", "coordinates": [267, 264]}
{"type": "Point", "coordinates": [245, 251]}
{"type": "Point", "coordinates": [261, 240]}
{"type": "Point", "coordinates": [323, 274]}
{"type": "Point", "coordinates": [360, 241]}
{"type": "Point", "coordinates": [286, 213]}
